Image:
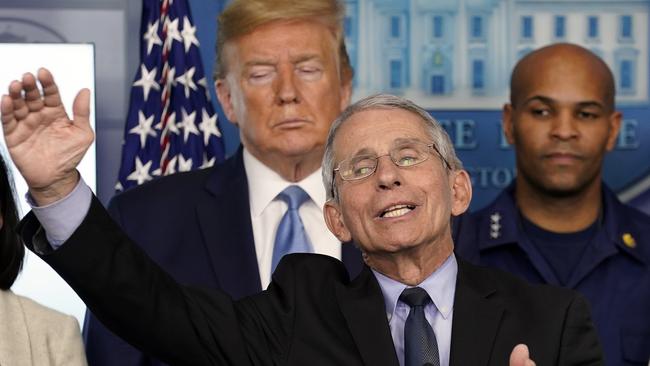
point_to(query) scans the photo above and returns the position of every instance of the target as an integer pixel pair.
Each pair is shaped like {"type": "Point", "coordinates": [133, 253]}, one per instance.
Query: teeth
{"type": "Point", "coordinates": [397, 211]}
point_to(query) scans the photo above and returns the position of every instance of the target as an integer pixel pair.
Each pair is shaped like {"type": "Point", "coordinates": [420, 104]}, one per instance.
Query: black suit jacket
{"type": "Point", "coordinates": [311, 314]}
{"type": "Point", "coordinates": [197, 227]}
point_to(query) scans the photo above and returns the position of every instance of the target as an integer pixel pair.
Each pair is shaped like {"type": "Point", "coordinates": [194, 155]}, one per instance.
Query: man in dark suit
{"type": "Point", "coordinates": [393, 184]}
{"type": "Point", "coordinates": [282, 76]}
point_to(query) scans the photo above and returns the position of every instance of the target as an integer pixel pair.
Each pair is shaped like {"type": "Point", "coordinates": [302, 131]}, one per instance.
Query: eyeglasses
{"type": "Point", "coordinates": [404, 155]}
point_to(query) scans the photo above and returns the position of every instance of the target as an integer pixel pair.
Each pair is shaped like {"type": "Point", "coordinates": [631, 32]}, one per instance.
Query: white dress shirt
{"type": "Point", "coordinates": [266, 212]}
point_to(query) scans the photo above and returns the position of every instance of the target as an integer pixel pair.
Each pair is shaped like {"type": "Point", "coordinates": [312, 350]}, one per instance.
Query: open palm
{"type": "Point", "coordinates": [44, 143]}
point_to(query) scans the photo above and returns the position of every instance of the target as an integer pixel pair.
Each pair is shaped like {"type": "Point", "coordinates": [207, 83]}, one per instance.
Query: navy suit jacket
{"type": "Point", "coordinates": [196, 226]}
{"type": "Point", "coordinates": [311, 313]}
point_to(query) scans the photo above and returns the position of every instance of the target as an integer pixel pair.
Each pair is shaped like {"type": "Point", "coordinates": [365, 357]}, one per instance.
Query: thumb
{"type": "Point", "coordinates": [81, 107]}
{"type": "Point", "coordinates": [520, 356]}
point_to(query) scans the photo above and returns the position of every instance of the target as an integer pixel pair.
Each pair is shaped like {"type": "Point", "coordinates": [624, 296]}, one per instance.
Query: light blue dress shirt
{"type": "Point", "coordinates": [61, 218]}
{"type": "Point", "coordinates": [441, 287]}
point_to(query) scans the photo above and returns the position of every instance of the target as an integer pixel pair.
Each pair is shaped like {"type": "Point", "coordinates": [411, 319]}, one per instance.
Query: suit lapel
{"type": "Point", "coordinates": [476, 318]}
{"type": "Point", "coordinates": [362, 305]}
{"type": "Point", "coordinates": [224, 219]}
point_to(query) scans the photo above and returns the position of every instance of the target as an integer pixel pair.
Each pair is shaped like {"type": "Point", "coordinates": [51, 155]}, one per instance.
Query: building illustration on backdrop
{"type": "Point", "coordinates": [442, 53]}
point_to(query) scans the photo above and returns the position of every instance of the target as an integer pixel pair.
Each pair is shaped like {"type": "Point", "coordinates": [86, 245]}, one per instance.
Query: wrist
{"type": "Point", "coordinates": [43, 196]}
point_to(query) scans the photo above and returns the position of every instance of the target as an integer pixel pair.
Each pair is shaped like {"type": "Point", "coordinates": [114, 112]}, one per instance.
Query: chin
{"type": "Point", "coordinates": [395, 245]}
{"type": "Point", "coordinates": [300, 147]}
{"type": "Point", "coordinates": [564, 188]}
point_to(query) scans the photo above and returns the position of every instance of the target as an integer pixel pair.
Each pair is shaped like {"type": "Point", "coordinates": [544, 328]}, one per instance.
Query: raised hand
{"type": "Point", "coordinates": [520, 356]}
{"type": "Point", "coordinates": [43, 142]}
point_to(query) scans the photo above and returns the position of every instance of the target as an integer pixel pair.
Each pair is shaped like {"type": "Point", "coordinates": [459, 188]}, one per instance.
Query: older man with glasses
{"type": "Point", "coordinates": [414, 302]}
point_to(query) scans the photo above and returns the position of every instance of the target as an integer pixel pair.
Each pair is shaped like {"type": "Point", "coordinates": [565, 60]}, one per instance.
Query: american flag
{"type": "Point", "coordinates": [171, 126]}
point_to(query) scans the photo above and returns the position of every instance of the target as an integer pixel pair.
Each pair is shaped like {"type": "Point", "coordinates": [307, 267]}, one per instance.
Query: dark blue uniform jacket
{"type": "Point", "coordinates": [613, 274]}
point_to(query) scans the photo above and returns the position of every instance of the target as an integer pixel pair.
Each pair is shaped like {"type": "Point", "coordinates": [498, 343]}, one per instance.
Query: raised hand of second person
{"type": "Point", "coordinates": [44, 143]}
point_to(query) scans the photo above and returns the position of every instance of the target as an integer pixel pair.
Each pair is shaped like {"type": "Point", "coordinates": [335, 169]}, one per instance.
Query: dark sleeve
{"type": "Point", "coordinates": [103, 348]}
{"type": "Point", "coordinates": [138, 301]}
{"type": "Point", "coordinates": [580, 344]}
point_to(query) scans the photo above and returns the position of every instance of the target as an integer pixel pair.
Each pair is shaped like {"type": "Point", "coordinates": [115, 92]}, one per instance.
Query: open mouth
{"type": "Point", "coordinates": [397, 211]}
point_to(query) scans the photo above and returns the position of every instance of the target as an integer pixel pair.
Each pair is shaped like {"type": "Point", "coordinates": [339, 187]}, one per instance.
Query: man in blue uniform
{"type": "Point", "coordinates": [558, 223]}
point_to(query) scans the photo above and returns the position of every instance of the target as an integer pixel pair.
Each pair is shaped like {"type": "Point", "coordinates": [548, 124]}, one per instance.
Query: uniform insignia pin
{"type": "Point", "coordinates": [629, 241]}
{"type": "Point", "coordinates": [495, 226]}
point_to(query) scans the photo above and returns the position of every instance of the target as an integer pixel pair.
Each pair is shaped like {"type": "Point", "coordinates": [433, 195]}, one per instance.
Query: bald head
{"type": "Point", "coordinates": [556, 62]}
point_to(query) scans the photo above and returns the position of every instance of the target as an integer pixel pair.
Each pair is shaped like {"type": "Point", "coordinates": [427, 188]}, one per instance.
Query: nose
{"type": "Point", "coordinates": [286, 89]}
{"type": "Point", "coordinates": [387, 173]}
{"type": "Point", "coordinates": [564, 126]}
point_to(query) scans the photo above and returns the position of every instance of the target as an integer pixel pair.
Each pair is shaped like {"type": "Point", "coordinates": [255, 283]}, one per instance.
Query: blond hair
{"type": "Point", "coordinates": [243, 16]}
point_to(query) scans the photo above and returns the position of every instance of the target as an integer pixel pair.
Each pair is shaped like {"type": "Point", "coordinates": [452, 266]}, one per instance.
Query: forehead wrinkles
{"type": "Point", "coordinates": [367, 130]}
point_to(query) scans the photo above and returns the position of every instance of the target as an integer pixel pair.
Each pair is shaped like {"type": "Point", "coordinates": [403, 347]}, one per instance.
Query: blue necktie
{"type": "Point", "coordinates": [420, 345]}
{"type": "Point", "coordinates": [291, 236]}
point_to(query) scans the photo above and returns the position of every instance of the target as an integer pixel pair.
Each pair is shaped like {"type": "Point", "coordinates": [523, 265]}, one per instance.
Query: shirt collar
{"type": "Point", "coordinates": [264, 184]}
{"type": "Point", "coordinates": [440, 285]}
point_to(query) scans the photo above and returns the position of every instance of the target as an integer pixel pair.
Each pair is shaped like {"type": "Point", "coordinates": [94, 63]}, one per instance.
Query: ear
{"type": "Point", "coordinates": [461, 191]}
{"type": "Point", "coordinates": [224, 94]}
{"type": "Point", "coordinates": [614, 128]}
{"type": "Point", "coordinates": [507, 123]}
{"type": "Point", "coordinates": [334, 221]}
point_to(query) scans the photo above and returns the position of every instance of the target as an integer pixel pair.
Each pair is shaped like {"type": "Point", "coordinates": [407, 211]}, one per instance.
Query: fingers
{"type": "Point", "coordinates": [81, 107]}
{"type": "Point", "coordinates": [20, 110]}
{"type": "Point", "coordinates": [51, 95]}
{"type": "Point", "coordinates": [7, 110]}
{"type": "Point", "coordinates": [25, 96]}
{"type": "Point", "coordinates": [32, 95]}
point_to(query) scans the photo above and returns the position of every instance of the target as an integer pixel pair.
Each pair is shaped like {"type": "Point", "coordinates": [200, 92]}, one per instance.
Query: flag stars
{"type": "Point", "coordinates": [143, 128]}
{"type": "Point", "coordinates": [188, 33]}
{"type": "Point", "coordinates": [204, 83]}
{"type": "Point", "coordinates": [207, 162]}
{"type": "Point", "coordinates": [151, 36]}
{"type": "Point", "coordinates": [171, 126]}
{"type": "Point", "coordinates": [208, 126]}
{"type": "Point", "coordinates": [147, 81]}
{"type": "Point", "coordinates": [187, 79]}
{"type": "Point", "coordinates": [141, 172]}
{"type": "Point", "coordinates": [175, 130]}
{"type": "Point", "coordinates": [184, 165]}
{"type": "Point", "coordinates": [172, 33]}
{"type": "Point", "coordinates": [188, 125]}
{"type": "Point", "coordinates": [171, 165]}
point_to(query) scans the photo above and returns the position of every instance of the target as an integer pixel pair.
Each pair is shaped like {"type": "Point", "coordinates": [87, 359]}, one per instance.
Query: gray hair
{"type": "Point", "coordinates": [438, 135]}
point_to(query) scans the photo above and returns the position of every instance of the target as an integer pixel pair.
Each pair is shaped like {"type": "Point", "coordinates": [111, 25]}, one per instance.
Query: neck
{"type": "Point", "coordinates": [411, 266]}
{"type": "Point", "coordinates": [291, 168]}
{"type": "Point", "coordinates": [559, 214]}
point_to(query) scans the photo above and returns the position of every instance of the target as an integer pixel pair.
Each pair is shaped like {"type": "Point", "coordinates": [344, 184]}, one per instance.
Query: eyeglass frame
{"type": "Point", "coordinates": [376, 158]}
